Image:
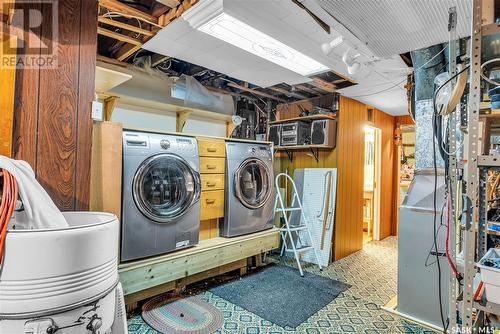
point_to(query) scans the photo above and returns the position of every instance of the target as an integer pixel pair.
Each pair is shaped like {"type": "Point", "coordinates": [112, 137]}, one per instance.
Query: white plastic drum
{"type": "Point", "coordinates": [56, 270]}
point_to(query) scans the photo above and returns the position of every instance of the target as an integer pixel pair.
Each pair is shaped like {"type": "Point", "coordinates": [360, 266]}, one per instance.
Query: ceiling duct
{"type": "Point", "coordinates": [148, 88]}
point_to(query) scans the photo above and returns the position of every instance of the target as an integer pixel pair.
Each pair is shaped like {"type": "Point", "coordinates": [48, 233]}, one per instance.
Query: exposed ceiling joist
{"type": "Point", "coordinates": [125, 26]}
{"type": "Point", "coordinates": [174, 13]}
{"type": "Point", "coordinates": [307, 89]}
{"type": "Point", "coordinates": [126, 51]}
{"type": "Point", "coordinates": [323, 85]}
{"type": "Point", "coordinates": [116, 6]}
{"type": "Point", "coordinates": [256, 92]}
{"type": "Point", "coordinates": [118, 36]}
{"type": "Point", "coordinates": [157, 59]}
{"type": "Point", "coordinates": [170, 3]}
{"type": "Point", "coordinates": [289, 93]}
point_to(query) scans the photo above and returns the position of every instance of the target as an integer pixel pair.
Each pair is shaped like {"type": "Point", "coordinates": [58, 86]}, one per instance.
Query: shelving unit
{"type": "Point", "coordinates": [313, 148]}
{"type": "Point", "coordinates": [305, 118]}
{"type": "Point", "coordinates": [476, 223]}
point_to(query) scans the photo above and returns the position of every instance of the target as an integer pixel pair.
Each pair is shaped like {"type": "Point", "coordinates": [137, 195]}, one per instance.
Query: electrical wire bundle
{"type": "Point", "coordinates": [7, 205]}
{"type": "Point", "coordinates": [441, 130]}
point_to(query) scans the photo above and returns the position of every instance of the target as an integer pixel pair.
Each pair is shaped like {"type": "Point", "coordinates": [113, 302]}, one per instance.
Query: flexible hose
{"type": "Point", "coordinates": [7, 206]}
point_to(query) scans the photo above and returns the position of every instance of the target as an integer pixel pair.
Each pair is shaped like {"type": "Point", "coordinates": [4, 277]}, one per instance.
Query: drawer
{"type": "Point", "coordinates": [212, 165]}
{"type": "Point", "coordinates": [211, 147]}
{"type": "Point", "coordinates": [212, 204]}
{"type": "Point", "coordinates": [212, 182]}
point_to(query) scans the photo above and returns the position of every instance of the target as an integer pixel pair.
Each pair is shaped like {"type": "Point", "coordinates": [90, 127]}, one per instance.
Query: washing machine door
{"type": "Point", "coordinates": [165, 187]}
{"type": "Point", "coordinates": [253, 183]}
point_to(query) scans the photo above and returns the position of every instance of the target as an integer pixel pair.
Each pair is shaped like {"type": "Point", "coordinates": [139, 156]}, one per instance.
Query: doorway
{"type": "Point", "coordinates": [371, 184]}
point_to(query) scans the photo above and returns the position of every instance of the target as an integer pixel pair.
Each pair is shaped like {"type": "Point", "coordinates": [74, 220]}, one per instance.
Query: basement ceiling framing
{"type": "Point", "coordinates": [124, 26]}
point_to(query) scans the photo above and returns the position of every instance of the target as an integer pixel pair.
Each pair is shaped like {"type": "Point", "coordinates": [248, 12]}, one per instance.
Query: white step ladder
{"type": "Point", "coordinates": [292, 232]}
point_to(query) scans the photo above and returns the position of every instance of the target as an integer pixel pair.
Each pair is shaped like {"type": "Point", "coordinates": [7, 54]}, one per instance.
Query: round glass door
{"type": "Point", "coordinates": [253, 183]}
{"type": "Point", "coordinates": [164, 187]}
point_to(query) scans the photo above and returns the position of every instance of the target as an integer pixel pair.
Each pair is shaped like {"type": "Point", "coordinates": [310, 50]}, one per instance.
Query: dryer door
{"type": "Point", "coordinates": [165, 187]}
{"type": "Point", "coordinates": [253, 183]}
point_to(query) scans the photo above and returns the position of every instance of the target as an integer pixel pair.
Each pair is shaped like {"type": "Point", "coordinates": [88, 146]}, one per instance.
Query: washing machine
{"type": "Point", "coordinates": [249, 193]}
{"type": "Point", "coordinates": [161, 191]}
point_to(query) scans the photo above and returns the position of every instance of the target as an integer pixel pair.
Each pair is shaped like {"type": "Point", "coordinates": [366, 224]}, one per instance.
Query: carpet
{"type": "Point", "coordinates": [183, 316]}
{"type": "Point", "coordinates": [278, 294]}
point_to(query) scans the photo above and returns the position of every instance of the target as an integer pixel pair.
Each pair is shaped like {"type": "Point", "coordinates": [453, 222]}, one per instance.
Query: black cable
{"type": "Point", "coordinates": [441, 312]}
{"type": "Point", "coordinates": [437, 135]}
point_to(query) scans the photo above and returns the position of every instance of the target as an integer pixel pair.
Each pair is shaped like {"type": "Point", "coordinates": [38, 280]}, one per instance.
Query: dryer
{"type": "Point", "coordinates": [249, 193]}
{"type": "Point", "coordinates": [160, 197]}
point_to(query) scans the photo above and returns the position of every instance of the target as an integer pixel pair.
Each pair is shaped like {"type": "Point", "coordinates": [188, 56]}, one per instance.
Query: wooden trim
{"type": "Point", "coordinates": [120, 7]}
{"type": "Point", "coordinates": [118, 36]}
{"type": "Point", "coordinates": [125, 26]}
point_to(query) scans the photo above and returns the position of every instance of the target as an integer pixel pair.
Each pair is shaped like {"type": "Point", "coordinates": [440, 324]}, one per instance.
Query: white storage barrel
{"type": "Point", "coordinates": [55, 270]}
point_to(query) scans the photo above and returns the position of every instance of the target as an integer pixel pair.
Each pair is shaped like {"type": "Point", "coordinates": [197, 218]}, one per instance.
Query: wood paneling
{"type": "Point", "coordinates": [7, 84]}
{"type": "Point", "coordinates": [26, 103]}
{"type": "Point", "coordinates": [349, 209]}
{"type": "Point", "coordinates": [348, 158]}
{"type": "Point", "coordinates": [52, 117]}
{"type": "Point", "coordinates": [387, 124]}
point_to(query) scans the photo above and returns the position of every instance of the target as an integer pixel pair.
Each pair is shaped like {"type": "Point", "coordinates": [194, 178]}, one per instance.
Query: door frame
{"type": "Point", "coordinates": [378, 179]}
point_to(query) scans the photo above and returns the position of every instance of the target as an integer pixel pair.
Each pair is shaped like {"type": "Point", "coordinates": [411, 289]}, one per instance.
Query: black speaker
{"type": "Point", "coordinates": [274, 134]}
{"type": "Point", "coordinates": [324, 132]}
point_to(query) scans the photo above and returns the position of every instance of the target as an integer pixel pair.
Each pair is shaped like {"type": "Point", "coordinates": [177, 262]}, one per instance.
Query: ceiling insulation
{"type": "Point", "coordinates": [390, 27]}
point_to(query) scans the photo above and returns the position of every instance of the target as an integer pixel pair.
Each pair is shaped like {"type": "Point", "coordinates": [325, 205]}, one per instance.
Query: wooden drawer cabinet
{"type": "Point", "coordinates": [208, 147]}
{"type": "Point", "coordinates": [210, 165]}
{"type": "Point", "coordinates": [211, 204]}
{"type": "Point", "coordinates": [212, 182]}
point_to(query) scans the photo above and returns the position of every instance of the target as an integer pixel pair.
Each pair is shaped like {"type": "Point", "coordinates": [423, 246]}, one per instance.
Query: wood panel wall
{"type": "Point", "coordinates": [351, 149]}
{"type": "Point", "coordinates": [348, 158]}
{"type": "Point", "coordinates": [7, 85]}
{"type": "Point", "coordinates": [53, 126]}
{"type": "Point", "coordinates": [387, 124]}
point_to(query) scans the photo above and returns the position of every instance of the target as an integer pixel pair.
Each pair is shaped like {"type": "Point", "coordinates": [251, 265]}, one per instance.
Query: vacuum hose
{"type": "Point", "coordinates": [7, 205]}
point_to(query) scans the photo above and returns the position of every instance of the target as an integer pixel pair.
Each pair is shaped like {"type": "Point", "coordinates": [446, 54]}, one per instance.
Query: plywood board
{"type": "Point", "coordinates": [106, 168]}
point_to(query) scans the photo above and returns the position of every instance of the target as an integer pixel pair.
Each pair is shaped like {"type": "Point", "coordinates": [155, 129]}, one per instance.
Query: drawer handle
{"type": "Point", "coordinates": [211, 149]}
{"type": "Point", "coordinates": [210, 201]}
{"type": "Point", "coordinates": [211, 184]}
{"type": "Point", "coordinates": [211, 167]}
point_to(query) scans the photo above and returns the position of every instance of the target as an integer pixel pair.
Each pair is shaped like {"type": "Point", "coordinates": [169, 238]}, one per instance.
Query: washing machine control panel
{"type": "Point", "coordinates": [186, 144]}
{"type": "Point", "coordinates": [259, 152]}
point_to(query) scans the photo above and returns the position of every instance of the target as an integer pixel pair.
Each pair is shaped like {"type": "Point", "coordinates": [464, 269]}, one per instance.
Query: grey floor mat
{"type": "Point", "coordinates": [278, 294]}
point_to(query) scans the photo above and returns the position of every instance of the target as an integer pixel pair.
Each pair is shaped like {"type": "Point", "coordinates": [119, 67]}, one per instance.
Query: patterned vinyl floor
{"type": "Point", "coordinates": [372, 274]}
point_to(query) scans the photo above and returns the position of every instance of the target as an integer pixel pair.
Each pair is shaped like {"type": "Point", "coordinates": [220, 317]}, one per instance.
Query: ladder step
{"type": "Point", "coordinates": [288, 209]}
{"type": "Point", "coordinates": [294, 228]}
{"type": "Point", "coordinates": [304, 248]}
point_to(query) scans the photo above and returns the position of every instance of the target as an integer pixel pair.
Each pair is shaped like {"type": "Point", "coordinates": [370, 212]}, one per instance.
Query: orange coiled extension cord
{"type": "Point", "coordinates": [7, 205]}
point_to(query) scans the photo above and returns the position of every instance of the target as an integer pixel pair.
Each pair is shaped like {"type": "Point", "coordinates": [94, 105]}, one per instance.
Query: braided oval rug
{"type": "Point", "coordinates": [183, 316]}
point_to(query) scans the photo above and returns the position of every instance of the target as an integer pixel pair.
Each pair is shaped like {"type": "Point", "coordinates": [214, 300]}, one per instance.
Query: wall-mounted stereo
{"type": "Point", "coordinates": [324, 132]}
{"type": "Point", "coordinates": [295, 133]}
{"type": "Point", "coordinates": [274, 134]}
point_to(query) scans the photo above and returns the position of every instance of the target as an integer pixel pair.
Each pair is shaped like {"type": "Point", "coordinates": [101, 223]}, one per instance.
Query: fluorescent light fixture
{"type": "Point", "coordinates": [231, 30]}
